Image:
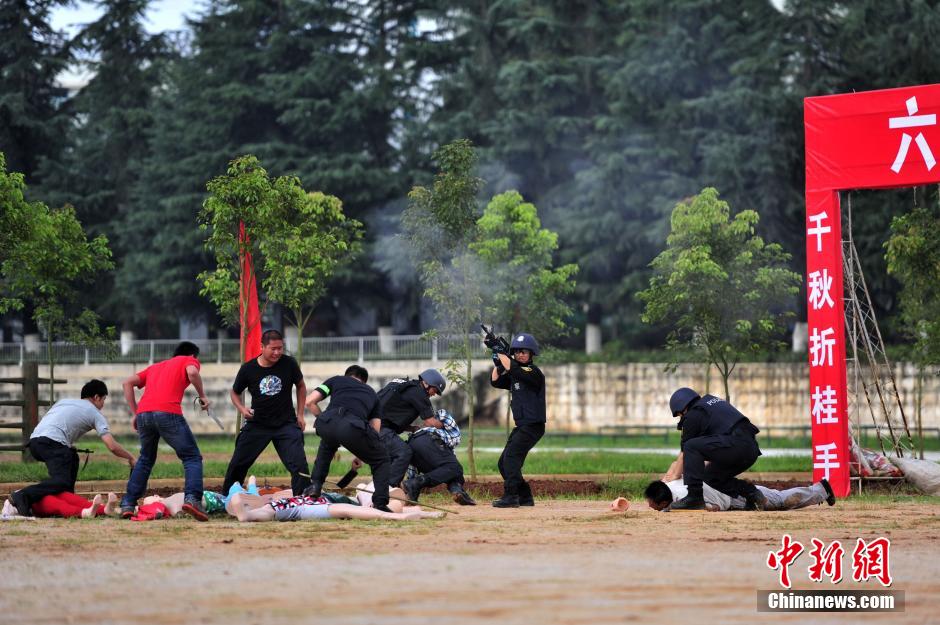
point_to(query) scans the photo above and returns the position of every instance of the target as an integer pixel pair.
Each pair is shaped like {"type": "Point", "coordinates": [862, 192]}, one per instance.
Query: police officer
{"type": "Point", "coordinates": [401, 401]}
{"type": "Point", "coordinates": [435, 462]}
{"type": "Point", "coordinates": [714, 430]}
{"type": "Point", "coordinates": [517, 372]}
{"type": "Point", "coordinates": [351, 420]}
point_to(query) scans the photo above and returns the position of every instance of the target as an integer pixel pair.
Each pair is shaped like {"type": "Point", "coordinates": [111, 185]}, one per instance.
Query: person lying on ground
{"type": "Point", "coordinates": [214, 503]}
{"type": "Point", "coordinates": [53, 442]}
{"type": "Point", "coordinates": [68, 505]}
{"type": "Point", "coordinates": [253, 508]}
{"type": "Point", "coordinates": [660, 495]}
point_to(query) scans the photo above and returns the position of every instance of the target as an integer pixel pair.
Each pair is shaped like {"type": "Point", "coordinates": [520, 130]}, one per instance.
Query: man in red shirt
{"type": "Point", "coordinates": [160, 415]}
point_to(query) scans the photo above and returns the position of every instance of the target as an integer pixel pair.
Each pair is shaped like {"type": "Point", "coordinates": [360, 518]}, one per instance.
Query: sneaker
{"type": "Point", "coordinates": [127, 512]}
{"type": "Point", "coordinates": [463, 498]}
{"type": "Point", "coordinates": [507, 501]}
{"type": "Point", "coordinates": [755, 501]}
{"type": "Point", "coordinates": [195, 510]}
{"type": "Point", "coordinates": [20, 503]}
{"type": "Point", "coordinates": [687, 503]}
{"type": "Point", "coordinates": [830, 496]}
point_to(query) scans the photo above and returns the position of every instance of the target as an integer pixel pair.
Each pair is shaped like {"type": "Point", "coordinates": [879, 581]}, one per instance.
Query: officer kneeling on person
{"type": "Point", "coordinates": [401, 401]}
{"type": "Point", "coordinates": [714, 430]}
{"type": "Point", "coordinates": [516, 371]}
{"type": "Point", "coordinates": [434, 461]}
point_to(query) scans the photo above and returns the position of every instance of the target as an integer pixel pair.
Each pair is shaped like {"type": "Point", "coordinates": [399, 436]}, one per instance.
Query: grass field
{"type": "Point", "coordinates": [550, 457]}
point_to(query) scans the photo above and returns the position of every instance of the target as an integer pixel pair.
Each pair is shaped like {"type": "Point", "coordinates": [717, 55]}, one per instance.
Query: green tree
{"type": "Point", "coordinates": [296, 240]}
{"type": "Point", "coordinates": [712, 259]}
{"type": "Point", "coordinates": [439, 225]}
{"type": "Point", "coordinates": [31, 56]}
{"type": "Point", "coordinates": [50, 264]}
{"type": "Point", "coordinates": [527, 291]}
{"type": "Point", "coordinates": [913, 259]}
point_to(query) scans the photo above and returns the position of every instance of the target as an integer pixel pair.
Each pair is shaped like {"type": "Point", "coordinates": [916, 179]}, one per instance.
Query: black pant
{"type": "Point", "coordinates": [399, 455]}
{"type": "Point", "coordinates": [435, 461]}
{"type": "Point", "coordinates": [62, 464]}
{"type": "Point", "coordinates": [288, 441]}
{"type": "Point", "coordinates": [358, 437]}
{"type": "Point", "coordinates": [727, 455]}
{"type": "Point", "coordinates": [521, 440]}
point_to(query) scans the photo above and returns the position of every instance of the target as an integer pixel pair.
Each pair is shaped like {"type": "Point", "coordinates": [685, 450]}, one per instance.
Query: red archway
{"type": "Point", "coordinates": [870, 140]}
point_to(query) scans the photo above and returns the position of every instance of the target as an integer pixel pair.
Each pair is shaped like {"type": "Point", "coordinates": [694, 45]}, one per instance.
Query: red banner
{"type": "Point", "coordinates": [875, 139]}
{"type": "Point", "coordinates": [249, 314]}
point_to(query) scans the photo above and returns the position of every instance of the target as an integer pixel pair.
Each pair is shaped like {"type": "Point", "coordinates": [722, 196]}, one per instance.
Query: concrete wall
{"type": "Point", "coordinates": [581, 398]}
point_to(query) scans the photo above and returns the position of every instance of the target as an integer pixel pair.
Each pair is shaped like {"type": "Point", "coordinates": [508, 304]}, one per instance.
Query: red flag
{"type": "Point", "coordinates": [249, 314]}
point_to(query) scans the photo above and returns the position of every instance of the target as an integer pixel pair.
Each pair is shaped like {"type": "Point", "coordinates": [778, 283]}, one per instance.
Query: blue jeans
{"type": "Point", "coordinates": [151, 427]}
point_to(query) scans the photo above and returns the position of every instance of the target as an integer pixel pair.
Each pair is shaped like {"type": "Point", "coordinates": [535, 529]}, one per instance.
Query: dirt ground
{"type": "Point", "coordinates": [563, 561]}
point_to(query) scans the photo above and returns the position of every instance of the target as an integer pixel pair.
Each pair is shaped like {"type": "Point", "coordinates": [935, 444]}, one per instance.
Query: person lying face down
{"type": "Point", "coordinates": [660, 495]}
{"type": "Point", "coordinates": [253, 508]}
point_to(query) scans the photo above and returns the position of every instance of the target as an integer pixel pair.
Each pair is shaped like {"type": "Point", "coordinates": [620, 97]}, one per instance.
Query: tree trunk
{"type": "Point", "coordinates": [471, 406]}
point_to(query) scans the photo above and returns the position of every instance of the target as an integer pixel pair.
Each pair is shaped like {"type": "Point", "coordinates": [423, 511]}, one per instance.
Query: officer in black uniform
{"type": "Point", "coordinates": [351, 420]}
{"type": "Point", "coordinates": [401, 401]}
{"type": "Point", "coordinates": [434, 458]}
{"type": "Point", "coordinates": [714, 430]}
{"type": "Point", "coordinates": [516, 371]}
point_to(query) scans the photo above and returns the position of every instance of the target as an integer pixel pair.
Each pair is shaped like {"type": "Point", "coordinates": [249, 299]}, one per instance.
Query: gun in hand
{"type": "Point", "coordinates": [497, 343]}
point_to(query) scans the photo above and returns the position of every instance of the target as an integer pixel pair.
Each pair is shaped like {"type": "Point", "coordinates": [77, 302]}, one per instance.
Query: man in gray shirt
{"type": "Point", "coordinates": [53, 442]}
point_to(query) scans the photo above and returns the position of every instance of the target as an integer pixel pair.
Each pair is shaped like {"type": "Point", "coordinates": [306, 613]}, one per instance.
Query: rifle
{"type": "Point", "coordinates": [497, 343]}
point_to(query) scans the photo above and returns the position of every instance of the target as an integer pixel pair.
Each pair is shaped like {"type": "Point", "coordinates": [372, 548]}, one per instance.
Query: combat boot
{"type": "Point", "coordinates": [314, 490]}
{"type": "Point", "coordinates": [525, 495]}
{"type": "Point", "coordinates": [689, 502]}
{"type": "Point", "coordinates": [413, 487]}
{"type": "Point", "coordinates": [755, 501]}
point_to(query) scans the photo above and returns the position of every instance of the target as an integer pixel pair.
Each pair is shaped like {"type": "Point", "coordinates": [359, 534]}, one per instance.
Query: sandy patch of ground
{"type": "Point", "coordinates": [560, 562]}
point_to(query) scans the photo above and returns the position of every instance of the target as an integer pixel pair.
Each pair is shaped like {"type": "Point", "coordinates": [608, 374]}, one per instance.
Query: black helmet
{"type": "Point", "coordinates": [433, 377]}
{"type": "Point", "coordinates": [681, 399]}
{"type": "Point", "coordinates": [524, 341]}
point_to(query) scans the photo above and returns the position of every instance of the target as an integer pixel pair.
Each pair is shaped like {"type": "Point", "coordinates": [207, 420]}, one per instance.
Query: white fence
{"type": "Point", "coordinates": [320, 349]}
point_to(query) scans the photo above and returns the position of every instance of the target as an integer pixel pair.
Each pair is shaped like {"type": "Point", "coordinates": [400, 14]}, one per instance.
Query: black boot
{"type": "Point", "coordinates": [510, 499]}
{"type": "Point", "coordinates": [314, 490]}
{"type": "Point", "coordinates": [413, 487]}
{"type": "Point", "coordinates": [462, 497]}
{"type": "Point", "coordinates": [525, 495]}
{"type": "Point", "coordinates": [830, 496]}
{"type": "Point", "coordinates": [689, 502]}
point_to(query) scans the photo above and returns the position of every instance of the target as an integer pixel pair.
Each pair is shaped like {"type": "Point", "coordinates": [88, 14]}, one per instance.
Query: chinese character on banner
{"type": "Point", "coordinates": [820, 346]}
{"type": "Point", "coordinates": [826, 561]}
{"type": "Point", "coordinates": [871, 560]}
{"type": "Point", "coordinates": [820, 284]}
{"type": "Point", "coordinates": [784, 558]}
{"type": "Point", "coordinates": [824, 405]}
{"type": "Point", "coordinates": [825, 457]}
{"type": "Point", "coordinates": [818, 229]}
{"type": "Point", "coordinates": [913, 121]}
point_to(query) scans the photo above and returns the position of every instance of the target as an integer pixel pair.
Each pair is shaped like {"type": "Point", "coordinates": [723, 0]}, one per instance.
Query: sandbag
{"type": "Point", "coordinates": [923, 474]}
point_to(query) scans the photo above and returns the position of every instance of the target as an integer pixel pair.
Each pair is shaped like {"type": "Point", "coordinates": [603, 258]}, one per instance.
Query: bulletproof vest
{"type": "Point", "coordinates": [722, 416]}
{"type": "Point", "coordinates": [400, 414]}
{"type": "Point", "coordinates": [527, 404]}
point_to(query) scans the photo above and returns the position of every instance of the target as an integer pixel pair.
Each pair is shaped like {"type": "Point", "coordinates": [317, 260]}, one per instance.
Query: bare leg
{"type": "Point", "coordinates": [349, 511]}
{"type": "Point", "coordinates": [251, 508]}
{"type": "Point", "coordinates": [173, 503]}
{"type": "Point", "coordinates": [257, 500]}
{"type": "Point", "coordinates": [364, 496]}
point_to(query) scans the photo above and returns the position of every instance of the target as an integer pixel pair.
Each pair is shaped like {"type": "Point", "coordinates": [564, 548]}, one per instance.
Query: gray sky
{"type": "Point", "coordinates": [162, 15]}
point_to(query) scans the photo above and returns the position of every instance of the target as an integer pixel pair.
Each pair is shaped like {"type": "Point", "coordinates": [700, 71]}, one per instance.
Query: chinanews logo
{"type": "Point", "coordinates": [870, 561]}
{"type": "Point", "coordinates": [270, 385]}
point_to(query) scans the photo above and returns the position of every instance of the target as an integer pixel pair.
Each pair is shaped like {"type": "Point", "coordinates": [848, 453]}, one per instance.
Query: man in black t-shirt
{"type": "Point", "coordinates": [272, 416]}
{"type": "Point", "coordinates": [352, 421]}
{"type": "Point", "coordinates": [401, 402]}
